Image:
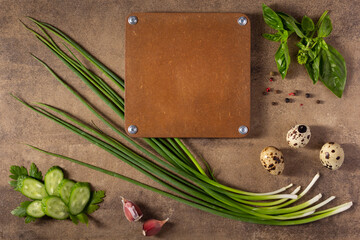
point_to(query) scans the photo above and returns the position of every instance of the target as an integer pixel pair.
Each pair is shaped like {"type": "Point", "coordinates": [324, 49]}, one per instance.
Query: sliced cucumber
{"type": "Point", "coordinates": [52, 179]}
{"type": "Point", "coordinates": [54, 207]}
{"type": "Point", "coordinates": [35, 209]}
{"type": "Point", "coordinates": [31, 187]}
{"type": "Point", "coordinates": [79, 197]}
{"type": "Point", "coordinates": [64, 189]}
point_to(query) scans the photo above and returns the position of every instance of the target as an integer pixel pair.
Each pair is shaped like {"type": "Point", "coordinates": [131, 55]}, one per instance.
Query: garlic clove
{"type": "Point", "coordinates": [131, 210]}
{"type": "Point", "coordinates": [153, 226]}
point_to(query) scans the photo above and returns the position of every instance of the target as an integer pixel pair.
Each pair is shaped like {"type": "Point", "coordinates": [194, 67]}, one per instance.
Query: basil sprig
{"type": "Point", "coordinates": [282, 56]}
{"type": "Point", "coordinates": [322, 61]}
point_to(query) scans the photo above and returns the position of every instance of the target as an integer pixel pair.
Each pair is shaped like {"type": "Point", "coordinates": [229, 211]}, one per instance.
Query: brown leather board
{"type": "Point", "coordinates": [187, 75]}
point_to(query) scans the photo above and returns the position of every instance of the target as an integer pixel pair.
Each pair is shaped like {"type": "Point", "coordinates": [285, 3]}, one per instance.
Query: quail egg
{"type": "Point", "coordinates": [272, 160]}
{"type": "Point", "coordinates": [298, 136]}
{"type": "Point", "coordinates": [332, 155]}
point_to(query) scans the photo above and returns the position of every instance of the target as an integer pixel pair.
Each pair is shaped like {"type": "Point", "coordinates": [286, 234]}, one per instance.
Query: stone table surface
{"type": "Point", "coordinates": [99, 26]}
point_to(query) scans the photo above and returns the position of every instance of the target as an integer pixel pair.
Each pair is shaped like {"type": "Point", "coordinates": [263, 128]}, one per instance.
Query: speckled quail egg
{"type": "Point", "coordinates": [272, 160]}
{"type": "Point", "coordinates": [332, 155]}
{"type": "Point", "coordinates": [298, 136]}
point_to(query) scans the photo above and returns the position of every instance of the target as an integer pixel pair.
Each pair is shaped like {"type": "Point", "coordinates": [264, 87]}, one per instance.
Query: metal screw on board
{"type": "Point", "coordinates": [132, 20]}
{"type": "Point", "coordinates": [243, 130]}
{"type": "Point", "coordinates": [132, 129]}
{"type": "Point", "coordinates": [242, 21]}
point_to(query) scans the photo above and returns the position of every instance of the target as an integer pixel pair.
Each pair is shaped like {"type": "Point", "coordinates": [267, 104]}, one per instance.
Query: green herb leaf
{"type": "Point", "coordinates": [29, 219]}
{"type": "Point", "coordinates": [74, 219]}
{"type": "Point", "coordinates": [316, 69]}
{"type": "Point", "coordinates": [20, 211]}
{"type": "Point", "coordinates": [308, 67]}
{"type": "Point", "coordinates": [282, 59]}
{"type": "Point", "coordinates": [322, 43]}
{"type": "Point", "coordinates": [96, 198]}
{"type": "Point", "coordinates": [291, 24]}
{"type": "Point", "coordinates": [13, 184]}
{"type": "Point", "coordinates": [301, 46]}
{"type": "Point", "coordinates": [313, 69]}
{"type": "Point", "coordinates": [325, 27]}
{"type": "Point", "coordinates": [317, 48]}
{"type": "Point", "coordinates": [16, 172]}
{"type": "Point", "coordinates": [34, 172]}
{"type": "Point", "coordinates": [271, 18]}
{"type": "Point", "coordinates": [307, 24]}
{"type": "Point", "coordinates": [332, 70]}
{"type": "Point", "coordinates": [321, 19]}
{"type": "Point", "coordinates": [83, 218]}
{"type": "Point", "coordinates": [311, 54]}
{"type": "Point", "coordinates": [272, 37]}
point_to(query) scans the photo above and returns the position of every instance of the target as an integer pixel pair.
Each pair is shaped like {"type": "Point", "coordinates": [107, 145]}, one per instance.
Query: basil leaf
{"type": "Point", "coordinates": [311, 54]}
{"type": "Point", "coordinates": [323, 44]}
{"type": "Point", "coordinates": [282, 59]}
{"type": "Point", "coordinates": [310, 72]}
{"type": "Point", "coordinates": [321, 19]}
{"type": "Point", "coordinates": [287, 25]}
{"type": "Point", "coordinates": [316, 69]}
{"type": "Point", "coordinates": [307, 24]}
{"type": "Point", "coordinates": [291, 24]}
{"type": "Point", "coordinates": [272, 37]}
{"type": "Point", "coordinates": [313, 69]}
{"type": "Point", "coordinates": [316, 48]}
{"type": "Point", "coordinates": [271, 18]}
{"type": "Point", "coordinates": [325, 27]}
{"type": "Point", "coordinates": [332, 70]}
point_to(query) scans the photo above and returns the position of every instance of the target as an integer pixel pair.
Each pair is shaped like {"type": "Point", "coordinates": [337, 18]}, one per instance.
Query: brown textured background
{"type": "Point", "coordinates": [99, 26]}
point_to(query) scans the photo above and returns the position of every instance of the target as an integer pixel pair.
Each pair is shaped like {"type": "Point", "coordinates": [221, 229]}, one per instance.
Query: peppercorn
{"type": "Point", "coordinates": [274, 103]}
{"type": "Point", "coordinates": [287, 100]}
{"type": "Point", "coordinates": [307, 95]}
{"type": "Point", "coordinates": [278, 91]}
{"type": "Point", "coordinates": [318, 101]}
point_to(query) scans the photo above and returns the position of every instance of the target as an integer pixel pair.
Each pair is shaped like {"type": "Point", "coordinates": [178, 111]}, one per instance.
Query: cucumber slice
{"type": "Point", "coordinates": [54, 207]}
{"type": "Point", "coordinates": [31, 187]}
{"type": "Point", "coordinates": [52, 179]}
{"type": "Point", "coordinates": [64, 189]}
{"type": "Point", "coordinates": [35, 209]}
{"type": "Point", "coordinates": [79, 197]}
